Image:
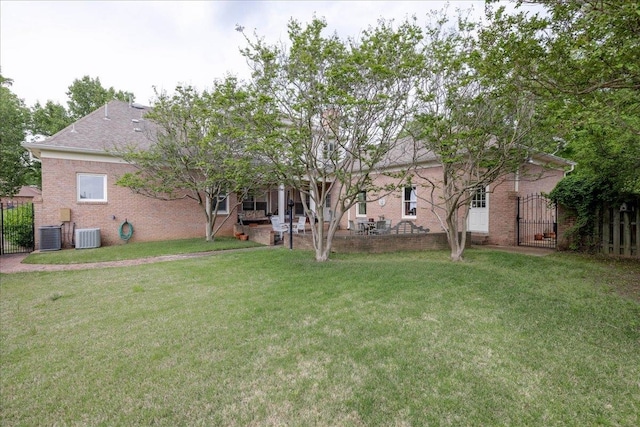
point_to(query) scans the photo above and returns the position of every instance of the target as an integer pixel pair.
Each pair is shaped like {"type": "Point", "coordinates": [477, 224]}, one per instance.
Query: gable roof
{"type": "Point", "coordinates": [117, 123]}
{"type": "Point", "coordinates": [408, 152]}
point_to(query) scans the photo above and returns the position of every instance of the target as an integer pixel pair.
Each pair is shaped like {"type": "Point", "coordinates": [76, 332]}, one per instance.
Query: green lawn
{"type": "Point", "coordinates": [274, 338]}
{"type": "Point", "coordinates": [137, 250]}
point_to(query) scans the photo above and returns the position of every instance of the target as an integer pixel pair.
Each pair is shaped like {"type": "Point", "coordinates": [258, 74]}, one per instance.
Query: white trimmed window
{"type": "Point", "coordinates": [361, 207]}
{"type": "Point", "coordinates": [223, 204]}
{"type": "Point", "coordinates": [409, 202]}
{"type": "Point", "coordinates": [92, 187]}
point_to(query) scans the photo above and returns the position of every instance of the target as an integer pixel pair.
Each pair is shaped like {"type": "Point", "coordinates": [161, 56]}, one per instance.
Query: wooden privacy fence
{"type": "Point", "coordinates": [618, 230]}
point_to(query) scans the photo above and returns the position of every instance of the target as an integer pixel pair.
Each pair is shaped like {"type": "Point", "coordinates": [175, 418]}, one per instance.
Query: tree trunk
{"type": "Point", "coordinates": [319, 242]}
{"type": "Point", "coordinates": [454, 237]}
{"type": "Point", "coordinates": [208, 212]}
{"type": "Point", "coordinates": [323, 240]}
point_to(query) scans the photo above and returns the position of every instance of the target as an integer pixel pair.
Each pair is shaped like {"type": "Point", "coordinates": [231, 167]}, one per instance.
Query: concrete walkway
{"type": "Point", "coordinates": [13, 263]}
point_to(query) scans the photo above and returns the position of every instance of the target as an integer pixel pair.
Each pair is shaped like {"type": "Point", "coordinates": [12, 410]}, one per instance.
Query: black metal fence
{"type": "Point", "coordinates": [17, 226]}
{"type": "Point", "coordinates": [537, 222]}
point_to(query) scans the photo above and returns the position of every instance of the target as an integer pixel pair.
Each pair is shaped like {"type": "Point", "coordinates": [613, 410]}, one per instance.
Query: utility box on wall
{"type": "Point", "coordinates": [65, 214]}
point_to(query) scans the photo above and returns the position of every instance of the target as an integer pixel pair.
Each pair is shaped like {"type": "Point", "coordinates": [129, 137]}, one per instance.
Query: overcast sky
{"type": "Point", "coordinates": [136, 45]}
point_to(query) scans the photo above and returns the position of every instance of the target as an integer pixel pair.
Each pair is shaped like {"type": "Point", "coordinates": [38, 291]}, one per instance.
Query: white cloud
{"type": "Point", "coordinates": [136, 45]}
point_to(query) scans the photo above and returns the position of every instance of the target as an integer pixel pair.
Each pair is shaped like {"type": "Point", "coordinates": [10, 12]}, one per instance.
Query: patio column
{"type": "Point", "coordinates": [282, 205]}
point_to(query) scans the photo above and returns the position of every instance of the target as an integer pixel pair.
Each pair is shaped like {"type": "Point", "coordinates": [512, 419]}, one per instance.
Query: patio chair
{"type": "Point", "coordinates": [380, 228]}
{"type": "Point", "coordinates": [278, 227]}
{"type": "Point", "coordinates": [300, 225]}
{"type": "Point", "coordinates": [353, 228]}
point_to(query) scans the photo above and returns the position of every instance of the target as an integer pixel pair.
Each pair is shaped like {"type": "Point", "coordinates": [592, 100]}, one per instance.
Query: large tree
{"type": "Point", "coordinates": [200, 150]}
{"type": "Point", "coordinates": [581, 59]}
{"type": "Point", "coordinates": [87, 94]}
{"type": "Point", "coordinates": [48, 119]}
{"type": "Point", "coordinates": [15, 166]}
{"type": "Point", "coordinates": [342, 106]}
{"type": "Point", "coordinates": [478, 129]}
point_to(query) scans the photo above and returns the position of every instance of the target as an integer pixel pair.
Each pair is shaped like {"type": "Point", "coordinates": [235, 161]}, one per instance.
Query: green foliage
{"type": "Point", "coordinates": [88, 94]}
{"type": "Point", "coordinates": [18, 225]}
{"type": "Point", "coordinates": [584, 195]}
{"type": "Point", "coordinates": [48, 119]}
{"type": "Point", "coordinates": [477, 127]}
{"type": "Point", "coordinates": [201, 149]}
{"type": "Point", "coordinates": [604, 140]}
{"type": "Point", "coordinates": [580, 59]}
{"type": "Point", "coordinates": [14, 159]}
{"type": "Point", "coordinates": [340, 105]}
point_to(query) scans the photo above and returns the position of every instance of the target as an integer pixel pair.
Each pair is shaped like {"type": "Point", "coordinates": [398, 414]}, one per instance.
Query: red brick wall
{"type": "Point", "coordinates": [393, 208]}
{"type": "Point", "coordinates": [536, 179]}
{"type": "Point", "coordinates": [379, 244]}
{"type": "Point", "coordinates": [152, 219]}
{"type": "Point", "coordinates": [502, 199]}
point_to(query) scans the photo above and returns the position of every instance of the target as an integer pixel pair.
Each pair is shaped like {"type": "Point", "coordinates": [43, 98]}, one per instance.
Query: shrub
{"type": "Point", "coordinates": [18, 225]}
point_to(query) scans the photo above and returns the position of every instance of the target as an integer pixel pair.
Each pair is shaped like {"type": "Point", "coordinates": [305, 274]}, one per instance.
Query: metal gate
{"type": "Point", "coordinates": [537, 221]}
{"type": "Point", "coordinates": [17, 228]}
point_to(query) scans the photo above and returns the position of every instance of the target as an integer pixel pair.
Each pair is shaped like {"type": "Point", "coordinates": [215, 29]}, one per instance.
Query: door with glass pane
{"type": "Point", "coordinates": [478, 220]}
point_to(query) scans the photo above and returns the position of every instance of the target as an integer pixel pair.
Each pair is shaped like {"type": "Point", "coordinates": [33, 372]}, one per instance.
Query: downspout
{"type": "Point", "coordinates": [573, 166]}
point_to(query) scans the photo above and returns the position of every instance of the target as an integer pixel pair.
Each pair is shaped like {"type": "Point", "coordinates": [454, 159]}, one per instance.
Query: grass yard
{"type": "Point", "coordinates": [137, 250]}
{"type": "Point", "coordinates": [266, 338]}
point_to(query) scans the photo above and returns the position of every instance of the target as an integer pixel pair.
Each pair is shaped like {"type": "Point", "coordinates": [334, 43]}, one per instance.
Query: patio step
{"type": "Point", "coordinates": [479, 239]}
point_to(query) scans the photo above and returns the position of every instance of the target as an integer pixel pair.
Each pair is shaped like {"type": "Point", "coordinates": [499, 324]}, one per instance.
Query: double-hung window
{"type": "Point", "coordinates": [91, 187]}
{"type": "Point", "coordinates": [222, 203]}
{"type": "Point", "coordinates": [329, 147]}
{"type": "Point", "coordinates": [361, 209]}
{"type": "Point", "coordinates": [409, 202]}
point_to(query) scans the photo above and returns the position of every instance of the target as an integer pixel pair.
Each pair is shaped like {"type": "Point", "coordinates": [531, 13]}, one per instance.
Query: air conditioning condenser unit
{"type": "Point", "coordinates": [86, 238]}
{"type": "Point", "coordinates": [50, 238]}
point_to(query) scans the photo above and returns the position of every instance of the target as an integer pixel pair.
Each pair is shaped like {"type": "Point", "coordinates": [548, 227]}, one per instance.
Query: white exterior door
{"type": "Point", "coordinates": [478, 220]}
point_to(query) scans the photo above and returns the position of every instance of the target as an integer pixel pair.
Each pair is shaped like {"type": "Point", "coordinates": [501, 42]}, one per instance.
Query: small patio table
{"type": "Point", "coordinates": [366, 225]}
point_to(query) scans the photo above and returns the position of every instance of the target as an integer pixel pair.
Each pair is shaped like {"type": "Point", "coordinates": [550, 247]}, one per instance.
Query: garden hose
{"type": "Point", "coordinates": [125, 236]}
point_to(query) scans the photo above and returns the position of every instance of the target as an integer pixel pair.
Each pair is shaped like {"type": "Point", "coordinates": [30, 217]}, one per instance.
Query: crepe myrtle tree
{"type": "Point", "coordinates": [341, 105]}
{"type": "Point", "coordinates": [478, 131]}
{"type": "Point", "coordinates": [200, 149]}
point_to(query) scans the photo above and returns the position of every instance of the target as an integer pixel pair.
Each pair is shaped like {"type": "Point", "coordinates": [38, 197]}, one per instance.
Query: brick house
{"type": "Point", "coordinates": [492, 216]}
{"type": "Point", "coordinates": [79, 171]}
{"type": "Point", "coordinates": [80, 168]}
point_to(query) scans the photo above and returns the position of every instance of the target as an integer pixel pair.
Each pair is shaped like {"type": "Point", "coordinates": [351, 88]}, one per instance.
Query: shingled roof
{"type": "Point", "coordinates": [113, 125]}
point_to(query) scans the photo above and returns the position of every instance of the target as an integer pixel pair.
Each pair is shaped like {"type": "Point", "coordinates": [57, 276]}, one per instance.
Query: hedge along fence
{"type": "Point", "coordinates": [17, 227]}
{"type": "Point", "coordinates": [616, 230]}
